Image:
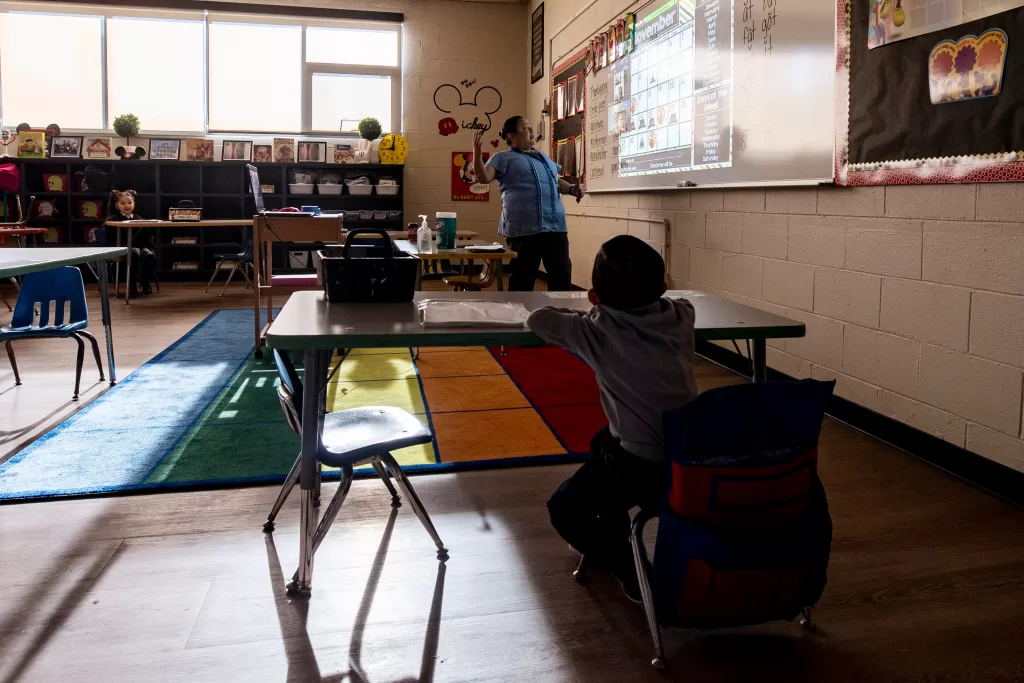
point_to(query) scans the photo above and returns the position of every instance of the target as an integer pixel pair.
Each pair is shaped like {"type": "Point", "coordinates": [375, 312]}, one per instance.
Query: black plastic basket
{"type": "Point", "coordinates": [364, 273]}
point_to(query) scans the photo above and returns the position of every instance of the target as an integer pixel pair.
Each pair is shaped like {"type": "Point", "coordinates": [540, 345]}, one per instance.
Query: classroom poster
{"type": "Point", "coordinates": [465, 188]}
{"type": "Point", "coordinates": [893, 20]}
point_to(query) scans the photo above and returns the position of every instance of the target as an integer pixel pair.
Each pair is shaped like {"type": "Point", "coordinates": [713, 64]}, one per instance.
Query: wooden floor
{"type": "Point", "coordinates": [926, 580]}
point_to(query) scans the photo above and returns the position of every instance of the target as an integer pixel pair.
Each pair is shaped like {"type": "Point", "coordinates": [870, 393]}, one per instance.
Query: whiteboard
{"type": "Point", "coordinates": [715, 92]}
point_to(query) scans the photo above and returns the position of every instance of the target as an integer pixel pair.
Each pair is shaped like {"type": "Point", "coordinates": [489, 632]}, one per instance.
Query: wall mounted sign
{"type": "Point", "coordinates": [537, 45]}
{"type": "Point", "coordinates": [893, 20]}
{"type": "Point", "coordinates": [465, 188]}
{"type": "Point", "coordinates": [969, 68]}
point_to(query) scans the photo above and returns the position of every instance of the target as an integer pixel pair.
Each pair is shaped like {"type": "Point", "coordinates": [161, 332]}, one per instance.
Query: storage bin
{"type": "Point", "coordinates": [387, 189]}
{"type": "Point", "coordinates": [300, 188]}
{"type": "Point", "coordinates": [380, 274]}
{"type": "Point", "coordinates": [365, 215]}
{"type": "Point", "coordinates": [328, 189]}
{"type": "Point", "coordinates": [360, 189]}
{"type": "Point", "coordinates": [380, 215]}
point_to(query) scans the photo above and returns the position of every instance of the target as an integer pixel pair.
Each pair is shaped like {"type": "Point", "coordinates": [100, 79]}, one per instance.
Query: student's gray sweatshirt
{"type": "Point", "coordinates": [643, 360]}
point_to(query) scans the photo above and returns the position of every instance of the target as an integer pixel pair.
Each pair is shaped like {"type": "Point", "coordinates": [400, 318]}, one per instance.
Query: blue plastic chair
{"type": "Point", "coordinates": [60, 288]}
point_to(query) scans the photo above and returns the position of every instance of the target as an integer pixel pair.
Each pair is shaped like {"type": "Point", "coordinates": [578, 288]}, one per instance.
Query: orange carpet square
{"type": "Point", "coordinates": [458, 364]}
{"type": "Point", "coordinates": [490, 392]}
{"type": "Point", "coordinates": [492, 435]}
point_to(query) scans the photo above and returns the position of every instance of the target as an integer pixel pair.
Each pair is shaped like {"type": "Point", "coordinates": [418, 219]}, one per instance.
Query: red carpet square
{"type": "Point", "coordinates": [520, 360]}
{"type": "Point", "coordinates": [575, 425]}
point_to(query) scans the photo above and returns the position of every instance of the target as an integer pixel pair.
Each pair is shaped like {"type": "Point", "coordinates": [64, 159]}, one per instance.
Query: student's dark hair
{"type": "Point", "coordinates": [628, 273]}
{"type": "Point", "coordinates": [115, 195]}
{"type": "Point", "coordinates": [509, 128]}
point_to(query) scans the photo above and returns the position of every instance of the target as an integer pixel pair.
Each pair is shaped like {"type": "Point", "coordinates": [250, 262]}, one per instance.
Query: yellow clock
{"type": "Point", "coordinates": [393, 149]}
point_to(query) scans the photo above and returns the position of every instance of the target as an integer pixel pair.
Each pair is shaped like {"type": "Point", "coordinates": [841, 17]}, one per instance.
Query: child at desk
{"type": "Point", "coordinates": [121, 207]}
{"type": "Point", "coordinates": [641, 348]}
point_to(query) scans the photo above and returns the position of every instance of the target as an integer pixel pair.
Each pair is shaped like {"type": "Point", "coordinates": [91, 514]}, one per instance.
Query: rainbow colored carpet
{"type": "Point", "coordinates": [204, 413]}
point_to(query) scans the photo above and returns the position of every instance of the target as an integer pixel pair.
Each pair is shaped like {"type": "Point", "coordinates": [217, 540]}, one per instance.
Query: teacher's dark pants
{"type": "Point", "coordinates": [550, 247]}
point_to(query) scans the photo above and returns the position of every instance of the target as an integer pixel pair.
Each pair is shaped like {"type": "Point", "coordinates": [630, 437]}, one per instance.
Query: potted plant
{"type": "Point", "coordinates": [127, 126]}
{"type": "Point", "coordinates": [369, 130]}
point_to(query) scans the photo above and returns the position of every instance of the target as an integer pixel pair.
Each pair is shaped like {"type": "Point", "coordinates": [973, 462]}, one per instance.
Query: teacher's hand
{"type": "Point", "coordinates": [478, 141]}
{"type": "Point", "coordinates": [577, 192]}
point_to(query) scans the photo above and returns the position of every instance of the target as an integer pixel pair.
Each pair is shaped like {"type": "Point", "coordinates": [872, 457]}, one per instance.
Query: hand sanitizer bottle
{"type": "Point", "coordinates": [423, 236]}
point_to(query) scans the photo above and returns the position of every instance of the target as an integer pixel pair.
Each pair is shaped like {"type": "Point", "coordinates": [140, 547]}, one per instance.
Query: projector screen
{"type": "Point", "coordinates": [715, 93]}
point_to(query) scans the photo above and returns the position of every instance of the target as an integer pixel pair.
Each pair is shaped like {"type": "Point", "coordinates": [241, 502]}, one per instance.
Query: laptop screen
{"type": "Point", "coordinates": [257, 191]}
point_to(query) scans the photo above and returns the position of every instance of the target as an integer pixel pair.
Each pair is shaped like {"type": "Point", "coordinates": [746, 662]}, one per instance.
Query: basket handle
{"type": "Point", "coordinates": [368, 231]}
{"type": "Point", "coordinates": [185, 204]}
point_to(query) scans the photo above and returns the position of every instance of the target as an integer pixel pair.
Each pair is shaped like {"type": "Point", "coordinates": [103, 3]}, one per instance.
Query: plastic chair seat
{"type": "Point", "coordinates": [352, 436]}
{"type": "Point", "coordinates": [28, 331]}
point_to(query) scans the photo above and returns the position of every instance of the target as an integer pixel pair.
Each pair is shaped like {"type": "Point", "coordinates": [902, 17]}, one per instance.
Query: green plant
{"type": "Point", "coordinates": [127, 126]}
{"type": "Point", "coordinates": [369, 128]}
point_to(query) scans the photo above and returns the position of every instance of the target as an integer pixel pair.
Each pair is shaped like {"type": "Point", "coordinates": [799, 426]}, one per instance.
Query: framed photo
{"type": "Point", "coordinates": [65, 147]}
{"type": "Point", "coordinates": [284, 150]}
{"type": "Point", "coordinates": [97, 148]}
{"type": "Point", "coordinates": [315, 152]}
{"type": "Point", "coordinates": [263, 154]}
{"type": "Point", "coordinates": [31, 145]}
{"type": "Point", "coordinates": [236, 150]}
{"type": "Point", "coordinates": [537, 44]}
{"type": "Point", "coordinates": [164, 149]}
{"type": "Point", "coordinates": [197, 149]}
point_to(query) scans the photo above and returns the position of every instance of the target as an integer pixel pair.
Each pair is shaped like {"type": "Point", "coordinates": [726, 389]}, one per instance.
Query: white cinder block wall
{"type": "Point", "coordinates": [448, 42]}
{"type": "Point", "coordinates": [913, 296]}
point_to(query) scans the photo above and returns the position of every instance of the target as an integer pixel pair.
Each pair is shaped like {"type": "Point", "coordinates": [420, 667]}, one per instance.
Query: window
{"type": "Point", "coordinates": [155, 71]}
{"type": "Point", "coordinates": [51, 69]}
{"type": "Point", "coordinates": [195, 71]}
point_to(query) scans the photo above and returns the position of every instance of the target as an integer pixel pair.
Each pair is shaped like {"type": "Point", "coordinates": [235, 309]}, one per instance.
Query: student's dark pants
{"type": "Point", "coordinates": [590, 510]}
{"type": "Point", "coordinates": [550, 247]}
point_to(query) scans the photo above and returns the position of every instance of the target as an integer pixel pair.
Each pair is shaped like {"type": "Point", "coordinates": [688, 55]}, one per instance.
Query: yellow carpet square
{"type": "Point", "coordinates": [491, 392]}
{"type": "Point", "coordinates": [376, 367]}
{"type": "Point", "coordinates": [398, 393]}
{"type": "Point", "coordinates": [458, 364]}
{"type": "Point", "coordinates": [492, 435]}
{"type": "Point", "coordinates": [413, 455]}
{"type": "Point", "coordinates": [401, 351]}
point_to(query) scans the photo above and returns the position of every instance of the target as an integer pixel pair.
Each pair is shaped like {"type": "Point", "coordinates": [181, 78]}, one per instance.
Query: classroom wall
{"type": "Point", "coordinates": [448, 42]}
{"type": "Point", "coordinates": [913, 296]}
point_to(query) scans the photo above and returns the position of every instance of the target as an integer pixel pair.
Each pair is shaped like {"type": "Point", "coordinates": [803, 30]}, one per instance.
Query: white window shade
{"type": "Point", "coordinates": [255, 76]}
{"type": "Point", "coordinates": [341, 100]}
{"type": "Point", "coordinates": [51, 70]}
{"type": "Point", "coordinates": [370, 47]}
{"type": "Point", "coordinates": [155, 71]}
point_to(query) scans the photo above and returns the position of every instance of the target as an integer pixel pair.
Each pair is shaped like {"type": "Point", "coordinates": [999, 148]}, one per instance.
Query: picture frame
{"type": "Point", "coordinates": [284, 150]}
{"type": "Point", "coordinates": [31, 144]}
{"type": "Point", "coordinates": [537, 44]}
{"type": "Point", "coordinates": [198, 149]}
{"type": "Point", "coordinates": [97, 148]}
{"type": "Point", "coordinates": [236, 150]}
{"type": "Point", "coordinates": [263, 154]}
{"type": "Point", "coordinates": [164, 149]}
{"type": "Point", "coordinates": [65, 147]}
{"type": "Point", "coordinates": [311, 152]}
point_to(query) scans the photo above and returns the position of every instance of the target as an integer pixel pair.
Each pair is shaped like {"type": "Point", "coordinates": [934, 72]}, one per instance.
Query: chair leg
{"type": "Point", "coordinates": [14, 363]}
{"type": "Point", "coordinates": [234, 268]}
{"type": "Point", "coordinates": [216, 269]}
{"type": "Point", "coordinates": [640, 560]}
{"type": "Point", "coordinates": [333, 507]}
{"type": "Point", "coordinates": [378, 467]}
{"type": "Point", "coordinates": [282, 496]}
{"type": "Point", "coordinates": [807, 620]}
{"type": "Point", "coordinates": [580, 574]}
{"type": "Point", "coordinates": [319, 481]}
{"type": "Point", "coordinates": [156, 281]}
{"type": "Point", "coordinates": [78, 365]}
{"type": "Point", "coordinates": [414, 500]}
{"type": "Point", "coordinates": [4, 298]}
{"type": "Point", "coordinates": [244, 270]}
{"type": "Point", "coordinates": [95, 352]}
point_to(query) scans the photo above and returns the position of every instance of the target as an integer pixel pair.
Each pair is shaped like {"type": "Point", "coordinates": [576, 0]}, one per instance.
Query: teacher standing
{"type": "Point", "coordinates": [532, 215]}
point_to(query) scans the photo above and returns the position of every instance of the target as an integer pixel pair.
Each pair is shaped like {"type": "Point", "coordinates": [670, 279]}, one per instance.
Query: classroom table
{"type": "Point", "coordinates": [131, 226]}
{"type": "Point", "coordinates": [308, 323]}
{"type": "Point", "coordinates": [32, 260]}
{"type": "Point", "coordinates": [460, 252]}
{"type": "Point", "coordinates": [21, 233]}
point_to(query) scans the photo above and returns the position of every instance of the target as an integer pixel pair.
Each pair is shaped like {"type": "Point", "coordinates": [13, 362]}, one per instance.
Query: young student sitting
{"type": "Point", "coordinates": [641, 346]}
{"type": "Point", "coordinates": [121, 207]}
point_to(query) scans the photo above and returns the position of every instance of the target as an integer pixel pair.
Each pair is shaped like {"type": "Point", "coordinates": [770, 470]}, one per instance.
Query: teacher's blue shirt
{"type": "Point", "coordinates": [530, 202]}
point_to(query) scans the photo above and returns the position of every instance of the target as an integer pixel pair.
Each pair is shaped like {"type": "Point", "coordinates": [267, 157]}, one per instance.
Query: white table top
{"type": "Point", "coordinates": [23, 261]}
{"type": "Point", "coordinates": [307, 321]}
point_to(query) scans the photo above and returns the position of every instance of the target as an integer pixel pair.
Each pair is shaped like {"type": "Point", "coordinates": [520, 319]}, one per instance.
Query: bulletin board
{"type": "Point", "coordinates": [568, 123]}
{"type": "Point", "coordinates": [939, 107]}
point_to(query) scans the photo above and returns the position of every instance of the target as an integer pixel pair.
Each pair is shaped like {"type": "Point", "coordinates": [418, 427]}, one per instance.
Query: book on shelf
{"type": "Point", "coordinates": [185, 265]}
{"type": "Point", "coordinates": [184, 240]}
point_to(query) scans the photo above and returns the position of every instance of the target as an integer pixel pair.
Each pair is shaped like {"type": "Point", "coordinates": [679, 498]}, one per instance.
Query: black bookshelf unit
{"type": "Point", "coordinates": [221, 189]}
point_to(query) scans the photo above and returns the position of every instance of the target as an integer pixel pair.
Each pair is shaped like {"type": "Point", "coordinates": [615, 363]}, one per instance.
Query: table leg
{"type": "Point", "coordinates": [499, 272]}
{"type": "Point", "coordinates": [117, 263]}
{"type": "Point", "coordinates": [257, 282]}
{"type": "Point", "coordinates": [312, 412]}
{"type": "Point", "coordinates": [101, 270]}
{"type": "Point", "coordinates": [128, 269]}
{"type": "Point", "coordinates": [760, 360]}
{"type": "Point", "coordinates": [419, 275]}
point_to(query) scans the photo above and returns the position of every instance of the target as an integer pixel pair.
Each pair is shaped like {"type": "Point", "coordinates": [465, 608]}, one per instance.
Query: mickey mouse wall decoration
{"type": "Point", "coordinates": [466, 114]}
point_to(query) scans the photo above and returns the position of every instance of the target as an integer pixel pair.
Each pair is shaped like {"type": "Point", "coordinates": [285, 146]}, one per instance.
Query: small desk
{"type": "Point", "coordinates": [130, 226]}
{"type": "Point", "coordinates": [21, 233]}
{"type": "Point", "coordinates": [267, 230]}
{"type": "Point", "coordinates": [33, 260]}
{"type": "Point", "coordinates": [309, 323]}
{"type": "Point", "coordinates": [460, 252]}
